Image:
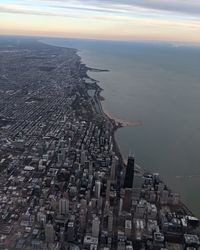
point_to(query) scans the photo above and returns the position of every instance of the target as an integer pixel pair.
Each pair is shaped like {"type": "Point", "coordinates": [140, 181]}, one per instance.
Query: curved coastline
{"type": "Point", "coordinates": [117, 123]}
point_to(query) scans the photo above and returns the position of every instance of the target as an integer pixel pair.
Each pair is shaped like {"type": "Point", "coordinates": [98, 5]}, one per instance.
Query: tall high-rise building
{"type": "Point", "coordinates": [82, 219]}
{"type": "Point", "coordinates": [113, 168]}
{"type": "Point", "coordinates": [95, 227]}
{"type": "Point", "coordinates": [108, 190]}
{"type": "Point", "coordinates": [127, 202]}
{"type": "Point", "coordinates": [63, 206]}
{"type": "Point", "coordinates": [128, 228]}
{"type": "Point", "coordinates": [97, 189]}
{"type": "Point", "coordinates": [110, 222]}
{"type": "Point", "coordinates": [41, 218]}
{"type": "Point", "coordinates": [54, 203]}
{"type": "Point", "coordinates": [120, 205]}
{"type": "Point", "coordinates": [83, 157]}
{"type": "Point", "coordinates": [70, 231]}
{"type": "Point", "coordinates": [128, 181]}
{"type": "Point", "coordinates": [84, 205]}
{"type": "Point", "coordinates": [49, 233]}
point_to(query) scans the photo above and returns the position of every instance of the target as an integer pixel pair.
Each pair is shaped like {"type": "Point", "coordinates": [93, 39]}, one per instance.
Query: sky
{"type": "Point", "coordinates": [160, 20]}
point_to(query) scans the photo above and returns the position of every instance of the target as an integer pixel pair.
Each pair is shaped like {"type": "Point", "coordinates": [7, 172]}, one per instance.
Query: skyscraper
{"type": "Point", "coordinates": [95, 227]}
{"type": "Point", "coordinates": [97, 189]}
{"type": "Point", "coordinates": [128, 181]}
{"type": "Point", "coordinates": [113, 168]}
{"type": "Point", "coordinates": [110, 222]}
{"type": "Point", "coordinates": [63, 206]}
{"type": "Point", "coordinates": [49, 233]}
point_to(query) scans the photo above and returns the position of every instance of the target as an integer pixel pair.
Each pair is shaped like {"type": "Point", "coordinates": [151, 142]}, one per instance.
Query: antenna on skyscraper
{"type": "Point", "coordinates": [131, 154]}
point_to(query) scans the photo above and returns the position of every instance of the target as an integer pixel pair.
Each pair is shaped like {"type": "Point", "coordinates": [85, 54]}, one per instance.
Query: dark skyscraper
{"type": "Point", "coordinates": [128, 181]}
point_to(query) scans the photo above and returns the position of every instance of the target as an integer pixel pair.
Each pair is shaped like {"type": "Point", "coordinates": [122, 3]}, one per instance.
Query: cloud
{"type": "Point", "coordinates": [124, 19]}
{"type": "Point", "coordinates": [182, 6]}
{"type": "Point", "coordinates": [149, 7]}
{"type": "Point", "coordinates": [14, 10]}
{"type": "Point", "coordinates": [70, 13]}
{"type": "Point", "coordinates": [90, 9]}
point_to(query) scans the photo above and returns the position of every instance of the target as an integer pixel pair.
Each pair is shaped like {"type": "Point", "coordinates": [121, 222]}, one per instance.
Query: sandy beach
{"type": "Point", "coordinates": [123, 123]}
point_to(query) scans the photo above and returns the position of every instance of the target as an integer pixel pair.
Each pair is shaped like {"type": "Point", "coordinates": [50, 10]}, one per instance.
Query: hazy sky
{"type": "Point", "coordinates": [171, 20]}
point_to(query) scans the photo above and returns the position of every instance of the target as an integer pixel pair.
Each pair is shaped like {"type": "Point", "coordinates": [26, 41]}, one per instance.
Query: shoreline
{"type": "Point", "coordinates": [122, 122]}
{"type": "Point", "coordinates": [117, 123]}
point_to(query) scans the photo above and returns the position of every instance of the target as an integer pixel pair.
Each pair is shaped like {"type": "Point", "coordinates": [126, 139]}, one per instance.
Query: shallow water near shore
{"type": "Point", "coordinates": [158, 85]}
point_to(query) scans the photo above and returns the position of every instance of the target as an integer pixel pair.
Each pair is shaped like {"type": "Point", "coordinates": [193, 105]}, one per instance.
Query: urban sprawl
{"type": "Point", "coordinates": [63, 182]}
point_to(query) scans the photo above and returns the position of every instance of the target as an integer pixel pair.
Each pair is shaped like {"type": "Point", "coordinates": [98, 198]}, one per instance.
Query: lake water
{"type": "Point", "coordinates": [157, 84]}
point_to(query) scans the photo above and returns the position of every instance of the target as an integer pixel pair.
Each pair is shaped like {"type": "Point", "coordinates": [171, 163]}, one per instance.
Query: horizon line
{"type": "Point", "coordinates": [102, 39]}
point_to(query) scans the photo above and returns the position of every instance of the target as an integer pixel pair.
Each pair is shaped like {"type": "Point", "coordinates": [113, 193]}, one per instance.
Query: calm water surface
{"type": "Point", "coordinates": [159, 85]}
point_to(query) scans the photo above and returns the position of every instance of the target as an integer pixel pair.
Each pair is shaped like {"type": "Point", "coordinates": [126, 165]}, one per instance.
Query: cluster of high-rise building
{"type": "Point", "coordinates": [63, 184]}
